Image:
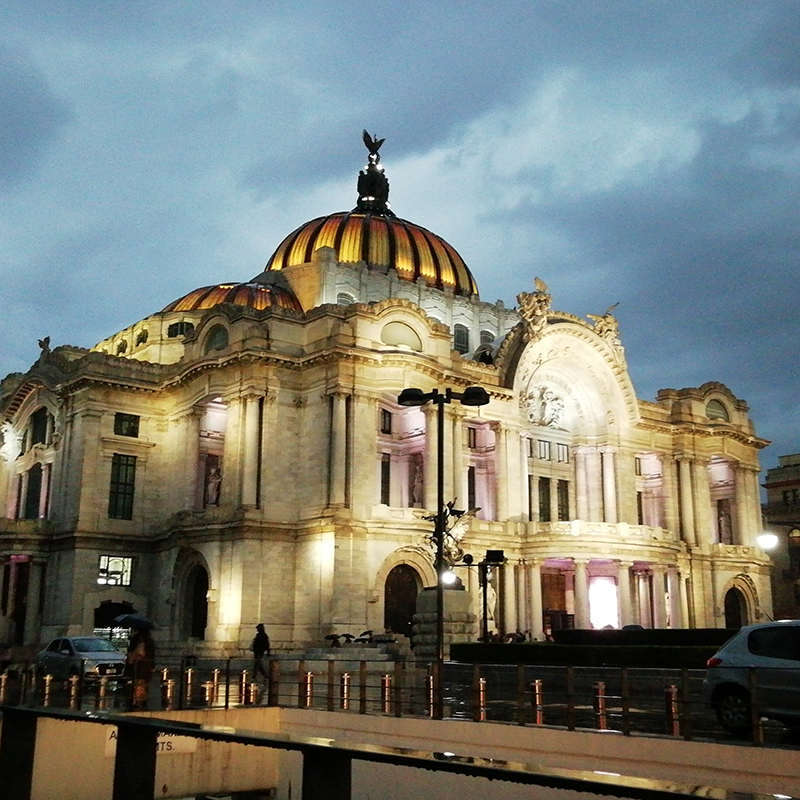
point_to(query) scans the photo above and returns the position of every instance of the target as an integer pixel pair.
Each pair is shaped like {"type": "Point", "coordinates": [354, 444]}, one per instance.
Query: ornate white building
{"type": "Point", "coordinates": [240, 457]}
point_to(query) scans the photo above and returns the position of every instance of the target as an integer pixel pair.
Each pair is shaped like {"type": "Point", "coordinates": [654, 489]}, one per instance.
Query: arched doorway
{"type": "Point", "coordinates": [400, 599]}
{"type": "Point", "coordinates": [735, 609]}
{"type": "Point", "coordinates": [197, 602]}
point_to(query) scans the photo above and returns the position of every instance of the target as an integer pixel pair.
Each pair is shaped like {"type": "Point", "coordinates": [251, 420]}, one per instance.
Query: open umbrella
{"type": "Point", "coordinates": [132, 621]}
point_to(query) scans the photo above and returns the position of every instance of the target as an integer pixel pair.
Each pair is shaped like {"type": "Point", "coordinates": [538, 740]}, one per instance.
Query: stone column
{"type": "Point", "coordinates": [338, 448]}
{"type": "Point", "coordinates": [272, 455]}
{"type": "Point", "coordinates": [581, 589]}
{"type": "Point", "coordinates": [594, 484]}
{"type": "Point", "coordinates": [454, 465]}
{"type": "Point", "coordinates": [675, 606]}
{"type": "Point", "coordinates": [703, 525]}
{"type": "Point", "coordinates": [250, 444]}
{"type": "Point", "coordinates": [659, 597]}
{"type": "Point", "coordinates": [501, 471]}
{"type": "Point", "coordinates": [624, 593]}
{"type": "Point", "coordinates": [626, 487]}
{"type": "Point", "coordinates": [525, 510]}
{"type": "Point", "coordinates": [44, 492]}
{"type": "Point", "coordinates": [509, 621]}
{"type": "Point", "coordinates": [669, 481]}
{"type": "Point", "coordinates": [581, 483]}
{"type": "Point", "coordinates": [686, 501]}
{"type": "Point", "coordinates": [189, 431]}
{"type": "Point", "coordinates": [685, 600]}
{"type": "Point", "coordinates": [609, 484]}
{"type": "Point", "coordinates": [643, 594]}
{"type": "Point", "coordinates": [431, 460]}
{"type": "Point", "coordinates": [535, 583]}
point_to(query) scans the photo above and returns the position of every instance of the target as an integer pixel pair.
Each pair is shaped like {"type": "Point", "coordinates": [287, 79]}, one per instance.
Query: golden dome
{"type": "Point", "coordinates": [382, 241]}
{"type": "Point", "coordinates": [240, 294]}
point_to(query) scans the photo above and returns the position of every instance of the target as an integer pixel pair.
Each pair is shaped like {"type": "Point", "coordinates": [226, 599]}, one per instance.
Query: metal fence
{"type": "Point", "coordinates": [627, 700]}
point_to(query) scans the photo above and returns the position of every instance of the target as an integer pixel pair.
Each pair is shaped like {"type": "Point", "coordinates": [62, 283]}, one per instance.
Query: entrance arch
{"type": "Point", "coordinates": [735, 608]}
{"type": "Point", "coordinates": [196, 602]}
{"type": "Point", "coordinates": [400, 599]}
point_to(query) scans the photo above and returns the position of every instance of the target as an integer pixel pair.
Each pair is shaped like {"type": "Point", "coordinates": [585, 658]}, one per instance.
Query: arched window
{"type": "Point", "coordinates": [217, 339]}
{"type": "Point", "coordinates": [344, 299]}
{"type": "Point", "coordinates": [179, 329]}
{"type": "Point", "coordinates": [461, 338]}
{"type": "Point", "coordinates": [717, 410]}
{"type": "Point", "coordinates": [487, 337]}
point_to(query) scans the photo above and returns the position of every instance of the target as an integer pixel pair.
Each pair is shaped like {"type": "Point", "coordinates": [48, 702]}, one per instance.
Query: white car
{"type": "Point", "coordinates": [772, 650]}
{"type": "Point", "coordinates": [69, 655]}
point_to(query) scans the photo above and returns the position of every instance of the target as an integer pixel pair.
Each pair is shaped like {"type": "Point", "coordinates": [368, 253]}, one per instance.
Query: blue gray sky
{"type": "Point", "coordinates": [646, 153]}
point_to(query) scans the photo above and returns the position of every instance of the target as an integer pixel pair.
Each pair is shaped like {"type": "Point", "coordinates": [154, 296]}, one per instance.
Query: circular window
{"type": "Point", "coordinates": [217, 338]}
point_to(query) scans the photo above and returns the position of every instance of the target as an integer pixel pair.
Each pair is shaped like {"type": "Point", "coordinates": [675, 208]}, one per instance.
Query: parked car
{"type": "Point", "coordinates": [772, 649]}
{"type": "Point", "coordinates": [67, 655]}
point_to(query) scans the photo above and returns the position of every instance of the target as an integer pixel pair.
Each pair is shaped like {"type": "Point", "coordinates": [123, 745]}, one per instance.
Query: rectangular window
{"type": "Point", "coordinates": [39, 426]}
{"type": "Point", "coordinates": [386, 473]}
{"type": "Point", "coordinates": [639, 508]}
{"type": "Point", "coordinates": [123, 482]}
{"type": "Point", "coordinates": [126, 425]}
{"type": "Point", "coordinates": [34, 492]}
{"type": "Point", "coordinates": [472, 440]}
{"type": "Point", "coordinates": [563, 501]}
{"type": "Point", "coordinates": [544, 500]}
{"type": "Point", "coordinates": [530, 448]}
{"type": "Point", "coordinates": [114, 571]}
{"type": "Point", "coordinates": [531, 497]}
{"type": "Point", "coordinates": [637, 465]}
{"type": "Point", "coordinates": [544, 450]}
{"type": "Point", "coordinates": [386, 421]}
{"type": "Point", "coordinates": [562, 453]}
{"type": "Point", "coordinates": [471, 496]}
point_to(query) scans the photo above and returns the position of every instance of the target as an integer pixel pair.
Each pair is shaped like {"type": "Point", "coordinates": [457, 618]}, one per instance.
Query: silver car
{"type": "Point", "coordinates": [71, 655]}
{"type": "Point", "coordinates": [772, 650]}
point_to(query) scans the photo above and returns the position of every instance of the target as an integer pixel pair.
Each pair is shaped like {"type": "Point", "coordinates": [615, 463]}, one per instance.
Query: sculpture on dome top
{"type": "Point", "coordinates": [373, 185]}
{"type": "Point", "coordinates": [533, 308]}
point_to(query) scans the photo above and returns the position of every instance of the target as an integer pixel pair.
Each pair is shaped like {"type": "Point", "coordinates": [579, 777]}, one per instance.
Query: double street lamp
{"type": "Point", "coordinates": [471, 396]}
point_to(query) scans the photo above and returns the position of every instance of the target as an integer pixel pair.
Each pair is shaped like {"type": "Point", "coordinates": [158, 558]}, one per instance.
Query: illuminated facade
{"type": "Point", "coordinates": [240, 457]}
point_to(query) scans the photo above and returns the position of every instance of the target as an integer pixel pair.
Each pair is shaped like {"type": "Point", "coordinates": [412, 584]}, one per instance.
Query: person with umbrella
{"type": "Point", "coordinates": [141, 658]}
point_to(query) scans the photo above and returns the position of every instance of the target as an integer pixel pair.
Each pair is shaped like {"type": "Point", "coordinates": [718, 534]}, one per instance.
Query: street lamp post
{"type": "Point", "coordinates": [471, 396]}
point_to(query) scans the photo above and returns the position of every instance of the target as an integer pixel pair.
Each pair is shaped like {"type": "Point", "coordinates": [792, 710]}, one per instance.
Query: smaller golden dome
{"type": "Point", "coordinates": [253, 295]}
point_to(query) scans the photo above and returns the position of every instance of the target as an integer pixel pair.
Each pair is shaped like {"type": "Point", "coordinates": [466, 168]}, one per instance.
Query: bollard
{"type": "Point", "coordinates": [102, 690]}
{"type": "Point", "coordinates": [4, 688]}
{"type": "Point", "coordinates": [215, 682]}
{"type": "Point", "coordinates": [244, 680]}
{"type": "Point", "coordinates": [308, 689]}
{"type": "Point", "coordinates": [189, 686]}
{"type": "Point", "coordinates": [536, 698]}
{"type": "Point", "coordinates": [73, 682]}
{"type": "Point", "coordinates": [164, 674]}
{"type": "Point", "coordinates": [482, 698]}
{"type": "Point", "coordinates": [673, 726]}
{"type": "Point", "coordinates": [168, 694]}
{"type": "Point", "coordinates": [344, 691]}
{"type": "Point", "coordinates": [252, 695]}
{"type": "Point", "coordinates": [208, 693]}
{"type": "Point", "coordinates": [386, 694]}
{"type": "Point", "coordinates": [48, 685]}
{"type": "Point", "coordinates": [600, 716]}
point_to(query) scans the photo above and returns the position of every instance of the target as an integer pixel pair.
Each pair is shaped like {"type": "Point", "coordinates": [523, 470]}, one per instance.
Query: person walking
{"type": "Point", "coordinates": [260, 647]}
{"type": "Point", "coordinates": [141, 663]}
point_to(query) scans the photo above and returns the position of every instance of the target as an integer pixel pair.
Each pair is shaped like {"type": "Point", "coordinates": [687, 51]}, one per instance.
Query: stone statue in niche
{"type": "Point", "coordinates": [533, 308]}
{"type": "Point", "coordinates": [416, 481]}
{"type": "Point", "coordinates": [544, 407]}
{"type": "Point", "coordinates": [213, 483]}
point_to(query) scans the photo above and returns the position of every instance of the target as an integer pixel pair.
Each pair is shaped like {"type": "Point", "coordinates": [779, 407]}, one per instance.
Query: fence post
{"type": "Point", "coordinates": [48, 685]}
{"type": "Point", "coordinates": [600, 715]}
{"type": "Point", "coordinates": [386, 694]}
{"type": "Point", "coordinates": [625, 701]}
{"type": "Point", "coordinates": [74, 681]}
{"type": "Point", "coordinates": [308, 689]}
{"type": "Point", "coordinates": [757, 731]}
{"type": "Point", "coordinates": [102, 687]}
{"type": "Point", "coordinates": [189, 686]}
{"type": "Point", "coordinates": [570, 677]}
{"type": "Point", "coordinates": [168, 690]}
{"type": "Point", "coordinates": [344, 691]}
{"type": "Point", "coordinates": [362, 688]}
{"type": "Point", "coordinates": [215, 683]}
{"type": "Point", "coordinates": [673, 727]}
{"type": "Point", "coordinates": [244, 680]}
{"type": "Point", "coordinates": [536, 698]}
{"type": "Point", "coordinates": [331, 679]}
{"type": "Point", "coordinates": [274, 683]}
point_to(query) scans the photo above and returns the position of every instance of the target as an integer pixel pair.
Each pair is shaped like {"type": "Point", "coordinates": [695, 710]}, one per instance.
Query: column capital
{"type": "Point", "coordinates": [623, 564]}
{"type": "Point", "coordinates": [608, 448]}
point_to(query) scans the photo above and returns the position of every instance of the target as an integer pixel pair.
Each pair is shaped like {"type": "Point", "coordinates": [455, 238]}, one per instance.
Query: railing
{"type": "Point", "coordinates": [626, 700]}
{"type": "Point", "coordinates": [327, 765]}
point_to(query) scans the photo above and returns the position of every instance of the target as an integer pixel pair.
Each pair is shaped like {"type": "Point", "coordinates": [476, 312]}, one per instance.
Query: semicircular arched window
{"type": "Point", "coordinates": [717, 410]}
{"type": "Point", "coordinates": [398, 333]}
{"type": "Point", "coordinates": [217, 339]}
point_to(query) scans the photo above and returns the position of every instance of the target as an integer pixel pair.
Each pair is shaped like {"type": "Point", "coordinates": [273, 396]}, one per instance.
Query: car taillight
{"type": "Point", "coordinates": [714, 661]}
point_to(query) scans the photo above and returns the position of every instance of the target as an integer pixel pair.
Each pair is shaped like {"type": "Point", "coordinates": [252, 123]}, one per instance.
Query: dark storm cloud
{"type": "Point", "coordinates": [30, 116]}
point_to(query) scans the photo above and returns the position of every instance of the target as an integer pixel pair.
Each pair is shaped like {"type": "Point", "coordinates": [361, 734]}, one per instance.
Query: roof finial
{"type": "Point", "coordinates": [373, 186]}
